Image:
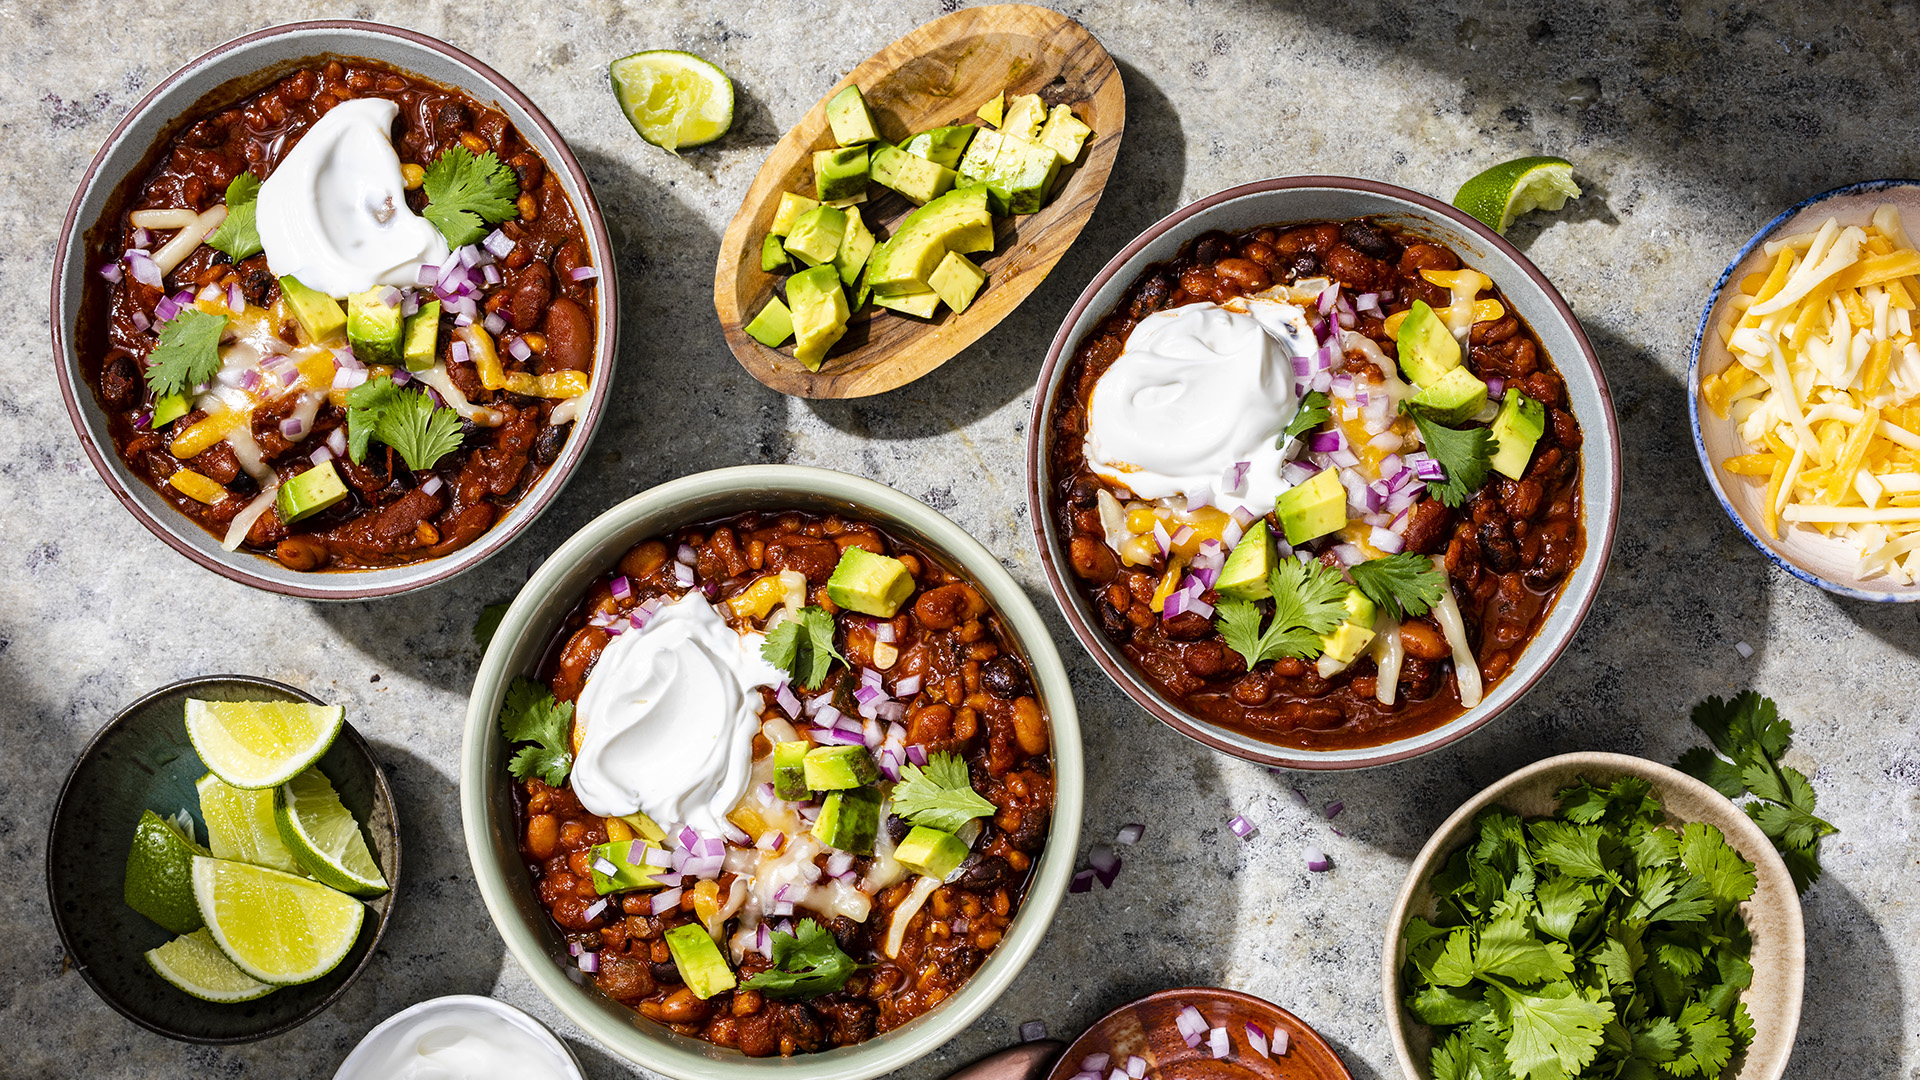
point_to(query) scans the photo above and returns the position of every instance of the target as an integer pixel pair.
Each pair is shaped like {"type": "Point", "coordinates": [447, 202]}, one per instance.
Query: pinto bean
{"type": "Point", "coordinates": [1092, 559]}
{"type": "Point", "coordinates": [1246, 275]}
{"type": "Point", "coordinates": [301, 553]}
{"type": "Point", "coordinates": [576, 660]}
{"type": "Point", "coordinates": [466, 527]}
{"type": "Point", "coordinates": [1029, 725]}
{"type": "Point", "coordinates": [642, 559]}
{"type": "Point", "coordinates": [948, 606]}
{"type": "Point", "coordinates": [1423, 642]}
{"type": "Point", "coordinates": [1418, 257]}
{"type": "Point", "coordinates": [1371, 240]}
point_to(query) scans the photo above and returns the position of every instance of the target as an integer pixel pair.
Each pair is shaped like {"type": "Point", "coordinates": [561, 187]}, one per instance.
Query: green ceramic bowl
{"type": "Point", "coordinates": [485, 788]}
{"type": "Point", "coordinates": [142, 761]}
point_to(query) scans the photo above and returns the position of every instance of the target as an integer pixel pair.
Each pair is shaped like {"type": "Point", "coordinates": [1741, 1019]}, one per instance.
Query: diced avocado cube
{"type": "Point", "coordinates": [645, 827]}
{"type": "Point", "coordinates": [971, 238]}
{"type": "Point", "coordinates": [1244, 577]}
{"type": "Point", "coordinates": [773, 255]}
{"type": "Point", "coordinates": [702, 967]}
{"type": "Point", "coordinates": [976, 165]}
{"type": "Point", "coordinates": [374, 325]}
{"type": "Point", "coordinates": [1064, 134]}
{"type": "Point", "coordinates": [773, 326]}
{"type": "Point", "coordinates": [1354, 634]}
{"type": "Point", "coordinates": [1023, 173]}
{"type": "Point", "coordinates": [941, 145]}
{"type": "Point", "coordinates": [994, 110]}
{"type": "Point", "coordinates": [1427, 348]}
{"type": "Point", "coordinates": [623, 865]}
{"type": "Point", "coordinates": [923, 304]}
{"type": "Point", "coordinates": [1314, 508]}
{"type": "Point", "coordinates": [422, 348]}
{"type": "Point", "coordinates": [851, 200]}
{"type": "Point", "coordinates": [789, 775]}
{"type": "Point", "coordinates": [1453, 397]}
{"type": "Point", "coordinates": [905, 262]}
{"type": "Point", "coordinates": [870, 584]}
{"type": "Point", "coordinates": [855, 246]}
{"type": "Point", "coordinates": [917, 178]}
{"type": "Point", "coordinates": [840, 174]}
{"type": "Point", "coordinates": [849, 820]}
{"type": "Point", "coordinates": [816, 237]}
{"type": "Point", "coordinates": [1024, 116]}
{"type": "Point", "coordinates": [957, 281]}
{"type": "Point", "coordinates": [1517, 430]}
{"type": "Point", "coordinates": [819, 308]}
{"type": "Point", "coordinates": [308, 493]}
{"type": "Point", "coordinates": [864, 291]}
{"type": "Point", "coordinates": [319, 315]}
{"type": "Point", "coordinates": [791, 207]}
{"type": "Point", "coordinates": [931, 852]}
{"type": "Point", "coordinates": [850, 119]}
{"type": "Point", "coordinates": [170, 407]}
{"type": "Point", "coordinates": [836, 768]}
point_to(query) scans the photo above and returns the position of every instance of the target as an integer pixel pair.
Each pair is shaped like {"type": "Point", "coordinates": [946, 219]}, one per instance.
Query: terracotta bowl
{"type": "Point", "coordinates": [1800, 550]}
{"type": "Point", "coordinates": [1773, 914]}
{"type": "Point", "coordinates": [235, 69]}
{"type": "Point", "coordinates": [1533, 298]}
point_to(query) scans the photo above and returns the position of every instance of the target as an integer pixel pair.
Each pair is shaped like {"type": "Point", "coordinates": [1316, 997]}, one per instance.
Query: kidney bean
{"type": "Point", "coordinates": [120, 382]}
{"type": "Point", "coordinates": [1211, 247]}
{"type": "Point", "coordinates": [1417, 257]}
{"type": "Point", "coordinates": [1005, 677]}
{"type": "Point", "coordinates": [569, 334]}
{"type": "Point", "coordinates": [1427, 526]}
{"type": "Point", "coordinates": [1315, 239]}
{"type": "Point", "coordinates": [528, 291]}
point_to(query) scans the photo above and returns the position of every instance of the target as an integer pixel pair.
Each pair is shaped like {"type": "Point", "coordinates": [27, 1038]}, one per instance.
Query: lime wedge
{"type": "Point", "coordinates": [322, 834]}
{"type": "Point", "coordinates": [240, 825]}
{"type": "Point", "coordinates": [261, 744]}
{"type": "Point", "coordinates": [675, 100]}
{"type": "Point", "coordinates": [160, 874]}
{"type": "Point", "coordinates": [195, 964]}
{"type": "Point", "coordinates": [1516, 187]}
{"type": "Point", "coordinates": [275, 927]}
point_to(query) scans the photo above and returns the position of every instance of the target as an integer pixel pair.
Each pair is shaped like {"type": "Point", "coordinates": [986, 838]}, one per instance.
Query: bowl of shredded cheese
{"type": "Point", "coordinates": [1804, 391]}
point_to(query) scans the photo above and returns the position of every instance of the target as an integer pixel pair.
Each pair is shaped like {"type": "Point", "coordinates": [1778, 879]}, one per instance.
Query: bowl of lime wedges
{"type": "Point", "coordinates": [194, 826]}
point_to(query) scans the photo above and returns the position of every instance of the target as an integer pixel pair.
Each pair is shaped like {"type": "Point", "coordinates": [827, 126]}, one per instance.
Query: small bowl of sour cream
{"type": "Point", "coordinates": [461, 1035]}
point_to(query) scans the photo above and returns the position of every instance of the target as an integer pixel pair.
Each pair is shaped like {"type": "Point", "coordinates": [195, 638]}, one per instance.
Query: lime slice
{"type": "Point", "coordinates": [276, 927]}
{"type": "Point", "coordinates": [675, 100]}
{"type": "Point", "coordinates": [240, 825]}
{"type": "Point", "coordinates": [322, 834]}
{"type": "Point", "coordinates": [195, 964]}
{"type": "Point", "coordinates": [261, 744]}
{"type": "Point", "coordinates": [1512, 188]}
{"type": "Point", "coordinates": [160, 874]}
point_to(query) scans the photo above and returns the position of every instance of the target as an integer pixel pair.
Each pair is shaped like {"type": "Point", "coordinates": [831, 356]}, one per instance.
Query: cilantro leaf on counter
{"type": "Point", "coordinates": [465, 194]}
{"type": "Point", "coordinates": [531, 715]}
{"type": "Point", "coordinates": [1401, 584]}
{"type": "Point", "coordinates": [188, 354]}
{"type": "Point", "coordinates": [407, 420]}
{"type": "Point", "coordinates": [1751, 737]}
{"type": "Point", "coordinates": [803, 647]}
{"type": "Point", "coordinates": [489, 621]}
{"type": "Point", "coordinates": [1466, 454]}
{"type": "Point", "coordinates": [806, 964]}
{"type": "Point", "coordinates": [1312, 413]}
{"type": "Point", "coordinates": [939, 796]}
{"type": "Point", "coordinates": [1309, 600]}
{"type": "Point", "coordinates": [239, 234]}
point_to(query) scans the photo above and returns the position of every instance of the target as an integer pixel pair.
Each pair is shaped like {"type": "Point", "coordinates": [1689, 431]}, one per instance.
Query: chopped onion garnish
{"type": "Point", "coordinates": [683, 574]}
{"type": "Point", "coordinates": [1745, 650]}
{"type": "Point", "coordinates": [1131, 834]}
{"type": "Point", "coordinates": [590, 961]}
{"type": "Point", "coordinates": [1033, 1031]}
{"type": "Point", "coordinates": [1136, 1066]}
{"type": "Point", "coordinates": [1191, 1024]}
{"type": "Point", "coordinates": [1241, 827]}
{"type": "Point", "coordinates": [621, 587]}
{"type": "Point", "coordinates": [665, 900]}
{"type": "Point", "coordinates": [583, 273]}
{"type": "Point", "coordinates": [917, 754]}
{"type": "Point", "coordinates": [1082, 882]}
{"type": "Point", "coordinates": [1095, 1062]}
{"type": "Point", "coordinates": [1334, 808]}
{"type": "Point", "coordinates": [519, 349]}
{"type": "Point", "coordinates": [594, 909]}
{"type": "Point", "coordinates": [1218, 1044]}
{"type": "Point", "coordinates": [1317, 860]}
{"type": "Point", "coordinates": [1104, 864]}
{"type": "Point", "coordinates": [1280, 1042]}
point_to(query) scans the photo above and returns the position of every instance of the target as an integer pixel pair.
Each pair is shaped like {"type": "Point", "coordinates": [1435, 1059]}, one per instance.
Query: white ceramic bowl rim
{"type": "Point", "coordinates": [522, 637]}
{"type": "Point", "coordinates": [1864, 187]}
{"type": "Point", "coordinates": [206, 74]}
{"type": "Point", "coordinates": [517, 1018]}
{"type": "Point", "coordinates": [1600, 456]}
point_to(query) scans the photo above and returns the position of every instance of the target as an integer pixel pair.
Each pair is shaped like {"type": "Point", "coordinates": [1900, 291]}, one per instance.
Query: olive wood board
{"type": "Point", "coordinates": [941, 73]}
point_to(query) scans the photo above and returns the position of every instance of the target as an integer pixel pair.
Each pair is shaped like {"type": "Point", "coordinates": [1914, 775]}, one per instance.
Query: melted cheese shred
{"type": "Point", "coordinates": [1466, 670]}
{"type": "Point", "coordinates": [1825, 388]}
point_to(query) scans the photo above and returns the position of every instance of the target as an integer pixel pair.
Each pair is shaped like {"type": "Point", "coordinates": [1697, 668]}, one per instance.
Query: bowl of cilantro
{"type": "Point", "coordinates": [1600, 915]}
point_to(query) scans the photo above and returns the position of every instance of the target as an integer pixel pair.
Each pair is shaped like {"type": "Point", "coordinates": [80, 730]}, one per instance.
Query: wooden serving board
{"type": "Point", "coordinates": [939, 74]}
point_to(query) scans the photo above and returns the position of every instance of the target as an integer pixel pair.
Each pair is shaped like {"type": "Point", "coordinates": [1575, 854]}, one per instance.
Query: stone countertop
{"type": "Point", "coordinates": [1690, 126]}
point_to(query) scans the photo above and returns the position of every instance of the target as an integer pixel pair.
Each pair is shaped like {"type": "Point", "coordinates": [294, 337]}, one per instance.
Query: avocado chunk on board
{"type": "Point", "coordinates": [1516, 431]}
{"type": "Point", "coordinates": [773, 326]}
{"type": "Point", "coordinates": [1018, 174]}
{"type": "Point", "coordinates": [840, 174]}
{"type": "Point", "coordinates": [905, 262]}
{"type": "Point", "coordinates": [1352, 635]}
{"type": "Point", "coordinates": [773, 255]}
{"type": "Point", "coordinates": [1024, 116]}
{"type": "Point", "coordinates": [930, 852]}
{"type": "Point", "coordinates": [319, 315]}
{"type": "Point", "coordinates": [917, 178]}
{"type": "Point", "coordinates": [818, 306]}
{"type": "Point", "coordinates": [421, 349]}
{"type": "Point", "coordinates": [1064, 134]}
{"type": "Point", "coordinates": [789, 774]}
{"type": "Point", "coordinates": [1428, 350]}
{"type": "Point", "coordinates": [941, 145]}
{"type": "Point", "coordinates": [957, 281]}
{"type": "Point", "coordinates": [850, 118]}
{"type": "Point", "coordinates": [1313, 508]}
{"type": "Point", "coordinates": [870, 584]}
{"type": "Point", "coordinates": [816, 236]}
{"type": "Point", "coordinates": [791, 207]}
{"type": "Point", "coordinates": [924, 304]}
{"type": "Point", "coordinates": [849, 820]}
{"type": "Point", "coordinates": [702, 968]}
{"type": "Point", "coordinates": [994, 111]}
{"type": "Point", "coordinates": [1454, 397]}
{"type": "Point", "coordinates": [856, 245]}
{"type": "Point", "coordinates": [308, 493]}
{"type": "Point", "coordinates": [1244, 577]}
{"type": "Point", "coordinates": [837, 768]}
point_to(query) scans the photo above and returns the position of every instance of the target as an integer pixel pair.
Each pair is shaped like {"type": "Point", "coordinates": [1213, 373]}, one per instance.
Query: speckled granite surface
{"type": "Point", "coordinates": [1690, 125]}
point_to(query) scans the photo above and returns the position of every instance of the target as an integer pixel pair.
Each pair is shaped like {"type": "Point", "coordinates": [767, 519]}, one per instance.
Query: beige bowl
{"type": "Point", "coordinates": [1773, 914]}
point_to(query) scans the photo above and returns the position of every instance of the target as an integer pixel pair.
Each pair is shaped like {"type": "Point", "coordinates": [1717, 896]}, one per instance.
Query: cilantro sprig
{"type": "Point", "coordinates": [489, 622]}
{"type": "Point", "coordinates": [1401, 584]}
{"type": "Point", "coordinates": [1750, 733]}
{"type": "Point", "coordinates": [465, 194]}
{"type": "Point", "coordinates": [1465, 453]}
{"type": "Point", "coordinates": [188, 354]}
{"type": "Point", "coordinates": [531, 715]}
{"type": "Point", "coordinates": [239, 234]}
{"type": "Point", "coordinates": [803, 647]}
{"type": "Point", "coordinates": [939, 796]}
{"type": "Point", "coordinates": [407, 420]}
{"type": "Point", "coordinates": [1599, 942]}
{"type": "Point", "coordinates": [1313, 412]}
{"type": "Point", "coordinates": [806, 964]}
{"type": "Point", "coordinates": [1309, 600]}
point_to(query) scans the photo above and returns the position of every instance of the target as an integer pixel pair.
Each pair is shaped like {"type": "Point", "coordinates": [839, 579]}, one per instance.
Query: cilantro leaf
{"type": "Point", "coordinates": [467, 193]}
{"type": "Point", "coordinates": [531, 715]}
{"type": "Point", "coordinates": [407, 420]}
{"type": "Point", "coordinates": [239, 234]}
{"type": "Point", "coordinates": [1465, 453]}
{"type": "Point", "coordinates": [188, 354]}
{"type": "Point", "coordinates": [1312, 413]}
{"type": "Point", "coordinates": [1705, 853]}
{"type": "Point", "coordinates": [1507, 948]}
{"type": "Point", "coordinates": [489, 622]}
{"type": "Point", "coordinates": [803, 647]}
{"type": "Point", "coordinates": [1400, 584]}
{"type": "Point", "coordinates": [1574, 850]}
{"type": "Point", "coordinates": [806, 964]}
{"type": "Point", "coordinates": [1309, 600]}
{"type": "Point", "coordinates": [1441, 1006]}
{"type": "Point", "coordinates": [939, 796]}
{"type": "Point", "coordinates": [1750, 738]}
{"type": "Point", "coordinates": [1556, 1030]}
{"type": "Point", "coordinates": [1704, 1037]}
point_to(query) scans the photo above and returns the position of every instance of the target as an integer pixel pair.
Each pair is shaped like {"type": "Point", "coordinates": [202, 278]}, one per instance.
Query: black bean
{"type": "Point", "coordinates": [548, 444]}
{"type": "Point", "coordinates": [666, 973]}
{"type": "Point", "coordinates": [1371, 240]}
{"type": "Point", "coordinates": [981, 873]}
{"type": "Point", "coordinates": [1005, 678]}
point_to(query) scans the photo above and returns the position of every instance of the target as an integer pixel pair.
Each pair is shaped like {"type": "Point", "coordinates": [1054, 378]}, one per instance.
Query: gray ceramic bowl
{"type": "Point", "coordinates": [1800, 550]}
{"type": "Point", "coordinates": [486, 806]}
{"type": "Point", "coordinates": [1534, 300]}
{"type": "Point", "coordinates": [233, 70]}
{"type": "Point", "coordinates": [1773, 914]}
{"type": "Point", "coordinates": [141, 760]}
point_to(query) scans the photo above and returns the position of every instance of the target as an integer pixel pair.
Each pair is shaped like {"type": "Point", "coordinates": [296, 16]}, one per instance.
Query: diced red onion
{"type": "Point", "coordinates": [112, 272]}
{"type": "Point", "coordinates": [1387, 540]}
{"type": "Point", "coordinates": [1095, 1062]}
{"type": "Point", "coordinates": [1349, 555]}
{"type": "Point", "coordinates": [519, 349]}
{"type": "Point", "coordinates": [1196, 499]}
{"type": "Point", "coordinates": [337, 441]}
{"type": "Point", "coordinates": [1218, 1044]}
{"type": "Point", "coordinates": [142, 237]}
{"type": "Point", "coordinates": [825, 715]}
{"type": "Point", "coordinates": [583, 273]}
{"type": "Point", "coordinates": [1104, 864]}
{"type": "Point", "coordinates": [143, 419]}
{"type": "Point", "coordinates": [1256, 1038]}
{"type": "Point", "coordinates": [1192, 1026]}
{"type": "Point", "coordinates": [593, 910]}
{"type": "Point", "coordinates": [293, 427]}
{"type": "Point", "coordinates": [166, 309]}
{"type": "Point", "coordinates": [401, 376]}
{"type": "Point", "coordinates": [1131, 834]}
{"type": "Point", "coordinates": [665, 900]}
{"type": "Point", "coordinates": [1496, 386]}
{"type": "Point", "coordinates": [495, 324]}
{"type": "Point", "coordinates": [140, 321]}
{"type": "Point", "coordinates": [143, 268]}
{"type": "Point", "coordinates": [1326, 442]}
{"type": "Point", "coordinates": [1161, 538]}
{"type": "Point", "coordinates": [1033, 1031]}
{"type": "Point", "coordinates": [498, 244]}
{"type": "Point", "coordinates": [621, 587]}
{"type": "Point", "coordinates": [917, 754]}
{"type": "Point", "coordinates": [1342, 386]}
{"type": "Point", "coordinates": [788, 701]}
{"type": "Point", "coordinates": [590, 962]}
{"type": "Point", "coordinates": [1082, 882]}
{"type": "Point", "coordinates": [687, 555]}
{"type": "Point", "coordinates": [1279, 1047]}
{"type": "Point", "coordinates": [427, 275]}
{"type": "Point", "coordinates": [1317, 862]}
{"type": "Point", "coordinates": [1197, 606]}
{"type": "Point", "coordinates": [1241, 827]}
{"type": "Point", "coordinates": [605, 867]}
{"type": "Point", "coordinates": [907, 687]}
{"type": "Point", "coordinates": [320, 456]}
{"type": "Point", "coordinates": [1303, 366]}
{"type": "Point", "coordinates": [1174, 605]}
{"type": "Point", "coordinates": [683, 574]}
{"type": "Point", "coordinates": [1328, 297]}
{"type": "Point", "coordinates": [1237, 476]}
{"type": "Point", "coordinates": [1429, 469]}
{"type": "Point", "coordinates": [1334, 808]}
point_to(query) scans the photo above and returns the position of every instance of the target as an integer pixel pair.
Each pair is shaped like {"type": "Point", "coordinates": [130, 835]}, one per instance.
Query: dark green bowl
{"type": "Point", "coordinates": [142, 761]}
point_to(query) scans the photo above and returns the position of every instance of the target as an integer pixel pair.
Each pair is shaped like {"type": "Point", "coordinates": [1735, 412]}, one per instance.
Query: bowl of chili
{"type": "Point", "coordinates": [710, 545]}
{"type": "Point", "coordinates": [210, 384]}
{"type": "Point", "coordinates": [1487, 578]}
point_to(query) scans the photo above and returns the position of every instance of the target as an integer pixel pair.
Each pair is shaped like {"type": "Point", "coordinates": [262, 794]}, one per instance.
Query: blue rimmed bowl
{"type": "Point", "coordinates": [1802, 551]}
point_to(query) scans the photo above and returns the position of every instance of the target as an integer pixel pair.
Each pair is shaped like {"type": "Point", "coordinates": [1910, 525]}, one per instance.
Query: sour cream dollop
{"type": "Point", "coordinates": [1197, 390]}
{"type": "Point", "coordinates": [334, 212]}
{"type": "Point", "coordinates": [457, 1039]}
{"type": "Point", "coordinates": [671, 712]}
